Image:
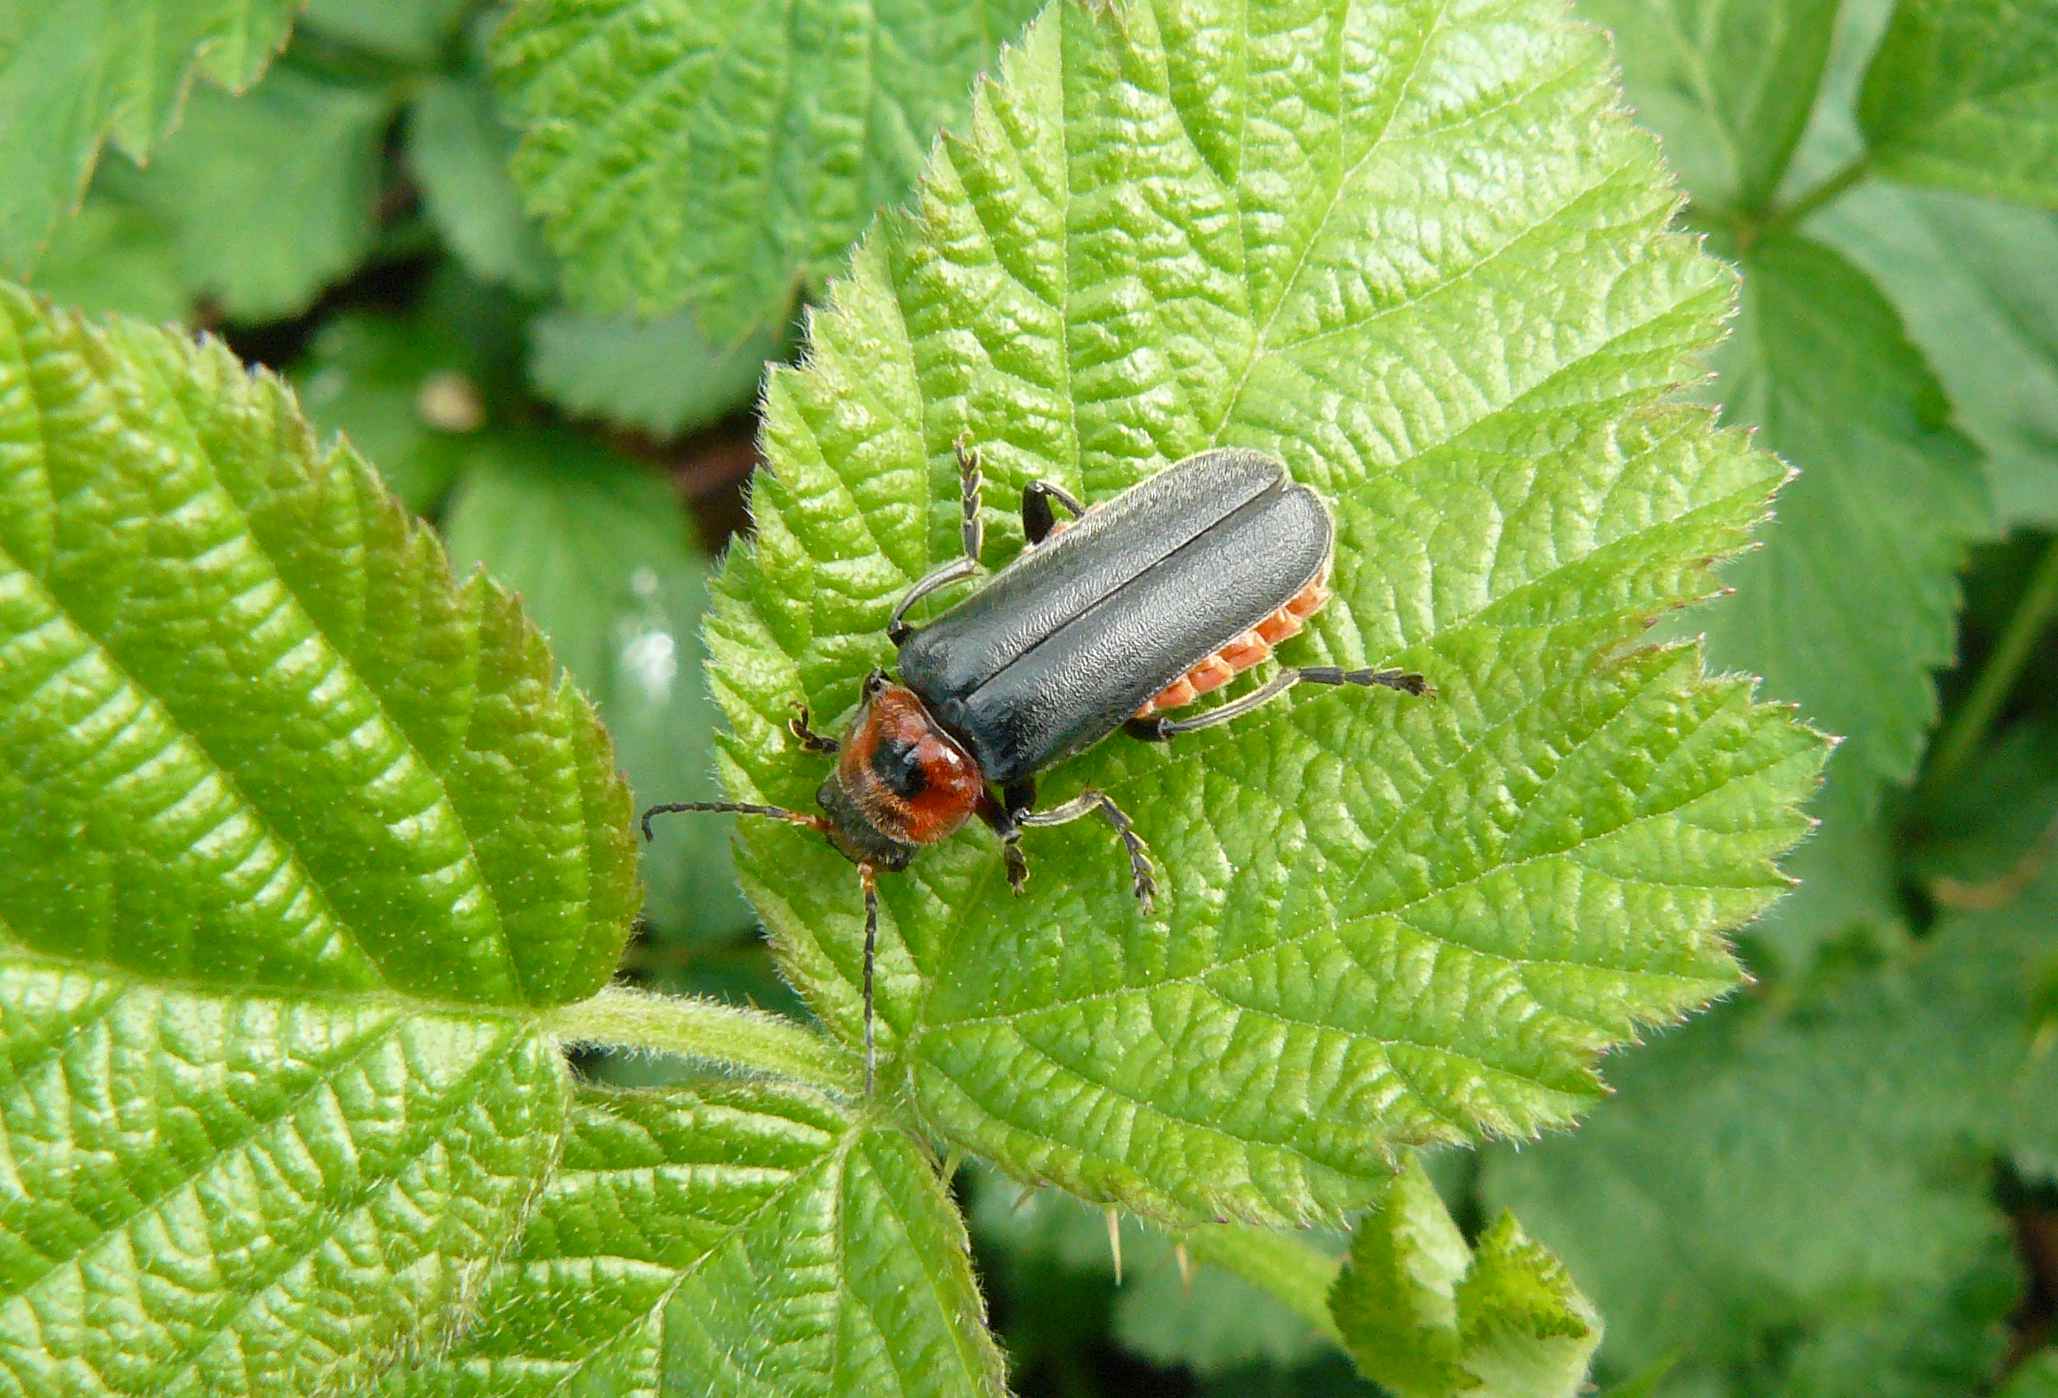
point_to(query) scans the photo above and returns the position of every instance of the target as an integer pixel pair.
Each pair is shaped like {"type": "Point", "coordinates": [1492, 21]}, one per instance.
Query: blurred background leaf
{"type": "Point", "coordinates": [73, 75]}
{"type": "Point", "coordinates": [724, 156]}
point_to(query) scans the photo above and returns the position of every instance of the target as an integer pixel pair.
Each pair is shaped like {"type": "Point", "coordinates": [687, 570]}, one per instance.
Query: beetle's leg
{"type": "Point", "coordinates": [870, 883]}
{"type": "Point", "coordinates": [971, 535]}
{"type": "Point", "coordinates": [1037, 518]}
{"type": "Point", "coordinates": [807, 737]}
{"type": "Point", "coordinates": [1156, 730]}
{"type": "Point", "coordinates": [1019, 796]}
{"type": "Point", "coordinates": [971, 527]}
{"type": "Point", "coordinates": [1142, 877]}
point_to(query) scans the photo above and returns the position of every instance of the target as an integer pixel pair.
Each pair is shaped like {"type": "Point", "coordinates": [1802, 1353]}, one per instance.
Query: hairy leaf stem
{"type": "Point", "coordinates": [707, 1029]}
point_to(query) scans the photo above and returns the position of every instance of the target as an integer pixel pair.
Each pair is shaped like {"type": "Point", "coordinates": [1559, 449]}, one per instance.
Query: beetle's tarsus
{"type": "Point", "coordinates": [1143, 878]}
{"type": "Point", "coordinates": [1017, 864]}
{"type": "Point", "coordinates": [806, 736]}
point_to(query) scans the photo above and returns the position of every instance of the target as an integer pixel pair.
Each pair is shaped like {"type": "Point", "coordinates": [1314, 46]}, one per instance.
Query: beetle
{"type": "Point", "coordinates": [1109, 620]}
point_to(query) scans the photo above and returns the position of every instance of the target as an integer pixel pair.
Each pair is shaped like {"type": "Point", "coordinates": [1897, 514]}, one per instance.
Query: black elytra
{"type": "Point", "coordinates": [1106, 621]}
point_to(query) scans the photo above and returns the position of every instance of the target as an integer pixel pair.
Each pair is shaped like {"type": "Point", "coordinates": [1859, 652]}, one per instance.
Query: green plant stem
{"type": "Point", "coordinates": [1277, 1263]}
{"type": "Point", "coordinates": [1792, 214]}
{"type": "Point", "coordinates": [707, 1029]}
{"type": "Point", "coordinates": [1968, 727]}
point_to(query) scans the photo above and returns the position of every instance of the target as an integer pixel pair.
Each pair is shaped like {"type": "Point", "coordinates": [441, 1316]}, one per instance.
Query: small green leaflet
{"type": "Point", "coordinates": [1426, 1316]}
{"type": "Point", "coordinates": [724, 155]}
{"type": "Point", "coordinates": [1416, 252]}
{"type": "Point", "coordinates": [300, 837]}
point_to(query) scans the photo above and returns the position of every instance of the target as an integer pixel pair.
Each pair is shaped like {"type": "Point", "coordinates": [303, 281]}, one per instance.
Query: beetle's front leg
{"type": "Point", "coordinates": [1142, 877]}
{"type": "Point", "coordinates": [999, 815]}
{"type": "Point", "coordinates": [804, 735]}
{"type": "Point", "coordinates": [971, 536]}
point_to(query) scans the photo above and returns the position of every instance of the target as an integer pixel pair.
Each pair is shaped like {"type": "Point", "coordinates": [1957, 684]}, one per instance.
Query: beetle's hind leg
{"type": "Point", "coordinates": [1142, 877]}
{"type": "Point", "coordinates": [1157, 730]}
{"type": "Point", "coordinates": [1038, 519]}
{"type": "Point", "coordinates": [971, 535]}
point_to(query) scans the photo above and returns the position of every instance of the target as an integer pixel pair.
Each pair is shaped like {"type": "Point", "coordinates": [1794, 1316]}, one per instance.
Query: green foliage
{"type": "Point", "coordinates": [603, 562]}
{"type": "Point", "coordinates": [720, 156]}
{"type": "Point", "coordinates": [1211, 1319]}
{"type": "Point", "coordinates": [299, 157]}
{"type": "Point", "coordinates": [414, 33]}
{"type": "Point", "coordinates": [1826, 1166]}
{"type": "Point", "coordinates": [1963, 94]}
{"type": "Point", "coordinates": [299, 835]}
{"type": "Point", "coordinates": [114, 256]}
{"type": "Point", "coordinates": [459, 149]}
{"type": "Point", "coordinates": [74, 75]}
{"type": "Point", "coordinates": [1424, 1314]}
{"type": "Point", "coordinates": [1358, 951]}
{"type": "Point", "coordinates": [1972, 279]}
{"type": "Point", "coordinates": [314, 872]}
{"type": "Point", "coordinates": [406, 392]}
{"type": "Point", "coordinates": [1855, 601]}
{"type": "Point", "coordinates": [2036, 1379]}
{"type": "Point", "coordinates": [745, 1239]}
{"type": "Point", "coordinates": [1728, 83]}
{"type": "Point", "coordinates": [661, 375]}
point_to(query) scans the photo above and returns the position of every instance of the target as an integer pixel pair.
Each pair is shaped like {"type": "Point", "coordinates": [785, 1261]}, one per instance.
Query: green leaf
{"type": "Point", "coordinates": [1382, 922]}
{"type": "Point", "coordinates": [114, 255]}
{"type": "Point", "coordinates": [299, 836]}
{"type": "Point", "coordinates": [414, 33]}
{"type": "Point", "coordinates": [1728, 84]}
{"type": "Point", "coordinates": [1963, 94]}
{"type": "Point", "coordinates": [1854, 599]}
{"type": "Point", "coordinates": [2037, 1378]}
{"type": "Point", "coordinates": [1972, 277]}
{"type": "Point", "coordinates": [602, 556]}
{"type": "Point", "coordinates": [1849, 883]}
{"type": "Point", "coordinates": [75, 74]}
{"type": "Point", "coordinates": [721, 155]}
{"type": "Point", "coordinates": [271, 196]}
{"type": "Point", "coordinates": [1422, 1313]}
{"type": "Point", "coordinates": [1204, 1317]}
{"type": "Point", "coordinates": [459, 151]}
{"type": "Point", "coordinates": [736, 1239]}
{"type": "Point", "coordinates": [405, 390]}
{"type": "Point", "coordinates": [661, 376]}
{"type": "Point", "coordinates": [1825, 1177]}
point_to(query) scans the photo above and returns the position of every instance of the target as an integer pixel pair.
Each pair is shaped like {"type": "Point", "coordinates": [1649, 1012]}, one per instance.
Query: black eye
{"type": "Point", "coordinates": [898, 769]}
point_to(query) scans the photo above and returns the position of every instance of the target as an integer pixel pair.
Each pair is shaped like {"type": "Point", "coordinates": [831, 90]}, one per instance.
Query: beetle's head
{"type": "Point", "coordinates": [900, 781]}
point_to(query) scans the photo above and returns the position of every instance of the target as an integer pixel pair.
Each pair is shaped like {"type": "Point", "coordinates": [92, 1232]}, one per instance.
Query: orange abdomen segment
{"type": "Point", "coordinates": [1242, 651]}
